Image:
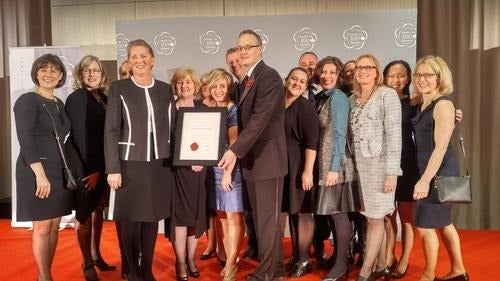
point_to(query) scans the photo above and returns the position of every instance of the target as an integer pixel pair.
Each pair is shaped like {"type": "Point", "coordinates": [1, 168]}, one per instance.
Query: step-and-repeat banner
{"type": "Point", "coordinates": [201, 42]}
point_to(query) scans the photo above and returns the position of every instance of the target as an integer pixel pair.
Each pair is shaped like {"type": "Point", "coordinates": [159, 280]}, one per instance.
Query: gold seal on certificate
{"type": "Point", "coordinates": [200, 134]}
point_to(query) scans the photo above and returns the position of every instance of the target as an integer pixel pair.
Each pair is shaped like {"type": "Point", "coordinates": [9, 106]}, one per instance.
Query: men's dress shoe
{"type": "Point", "coordinates": [460, 277]}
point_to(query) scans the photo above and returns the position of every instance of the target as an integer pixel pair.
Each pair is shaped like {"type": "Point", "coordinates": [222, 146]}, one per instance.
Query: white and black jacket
{"type": "Point", "coordinates": [139, 122]}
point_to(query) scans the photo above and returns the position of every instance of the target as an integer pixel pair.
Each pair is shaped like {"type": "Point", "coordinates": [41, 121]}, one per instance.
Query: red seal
{"type": "Point", "coordinates": [194, 146]}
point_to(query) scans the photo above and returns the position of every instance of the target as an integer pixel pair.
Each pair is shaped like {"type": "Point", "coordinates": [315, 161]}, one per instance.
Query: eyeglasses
{"type": "Point", "coordinates": [365, 67]}
{"type": "Point", "coordinates": [246, 48]}
{"type": "Point", "coordinates": [93, 70]}
{"type": "Point", "coordinates": [426, 76]}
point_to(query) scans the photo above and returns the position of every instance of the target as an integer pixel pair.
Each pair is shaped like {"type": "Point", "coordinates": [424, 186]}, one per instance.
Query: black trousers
{"type": "Point", "coordinates": [265, 199]}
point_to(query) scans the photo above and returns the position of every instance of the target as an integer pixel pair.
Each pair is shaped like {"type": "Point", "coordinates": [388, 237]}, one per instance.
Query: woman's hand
{"type": "Point", "coordinates": [331, 178]}
{"type": "Point", "coordinates": [421, 189]}
{"type": "Point", "coordinates": [196, 168]}
{"type": "Point", "coordinates": [115, 181]}
{"type": "Point", "coordinates": [227, 182]}
{"type": "Point", "coordinates": [390, 183]}
{"type": "Point", "coordinates": [91, 180]}
{"type": "Point", "coordinates": [42, 187]}
{"type": "Point", "coordinates": [307, 180]}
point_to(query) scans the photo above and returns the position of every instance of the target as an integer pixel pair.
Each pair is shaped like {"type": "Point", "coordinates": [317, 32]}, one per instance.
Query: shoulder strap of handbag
{"type": "Point", "coordinates": [461, 140]}
{"type": "Point", "coordinates": [61, 150]}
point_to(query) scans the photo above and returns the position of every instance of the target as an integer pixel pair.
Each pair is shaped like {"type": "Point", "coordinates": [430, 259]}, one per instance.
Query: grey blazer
{"type": "Point", "coordinates": [381, 128]}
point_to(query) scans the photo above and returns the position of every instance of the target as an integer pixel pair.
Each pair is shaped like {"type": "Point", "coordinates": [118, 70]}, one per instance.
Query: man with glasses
{"type": "Point", "coordinates": [261, 146]}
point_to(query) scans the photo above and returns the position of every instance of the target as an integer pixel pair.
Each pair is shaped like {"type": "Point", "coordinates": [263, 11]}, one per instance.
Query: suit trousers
{"type": "Point", "coordinates": [265, 198]}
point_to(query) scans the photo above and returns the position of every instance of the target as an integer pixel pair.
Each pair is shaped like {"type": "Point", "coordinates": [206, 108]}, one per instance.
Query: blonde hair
{"type": "Point", "coordinates": [379, 79]}
{"type": "Point", "coordinates": [84, 63]}
{"type": "Point", "coordinates": [440, 67]}
{"type": "Point", "coordinates": [217, 74]}
{"type": "Point", "coordinates": [182, 72]}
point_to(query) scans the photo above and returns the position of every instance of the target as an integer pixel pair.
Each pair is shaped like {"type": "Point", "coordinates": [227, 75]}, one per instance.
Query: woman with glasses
{"type": "Point", "coordinates": [376, 126]}
{"type": "Point", "coordinates": [86, 109]}
{"type": "Point", "coordinates": [433, 127]}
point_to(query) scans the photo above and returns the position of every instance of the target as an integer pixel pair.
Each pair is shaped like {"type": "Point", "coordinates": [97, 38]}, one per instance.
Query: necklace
{"type": "Point", "coordinates": [362, 102]}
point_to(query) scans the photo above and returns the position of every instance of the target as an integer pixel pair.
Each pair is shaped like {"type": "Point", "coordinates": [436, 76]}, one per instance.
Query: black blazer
{"type": "Point", "coordinates": [85, 148]}
{"type": "Point", "coordinates": [126, 135]}
{"type": "Point", "coordinates": [261, 144]}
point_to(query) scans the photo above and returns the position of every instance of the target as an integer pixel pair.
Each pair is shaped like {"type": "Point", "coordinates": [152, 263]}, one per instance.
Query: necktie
{"type": "Point", "coordinates": [243, 84]}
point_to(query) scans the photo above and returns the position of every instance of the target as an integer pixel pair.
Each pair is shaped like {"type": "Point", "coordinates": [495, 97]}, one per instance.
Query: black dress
{"type": "Point", "coordinates": [301, 131]}
{"type": "Point", "coordinates": [86, 147]}
{"type": "Point", "coordinates": [406, 182]}
{"type": "Point", "coordinates": [189, 199]}
{"type": "Point", "coordinates": [38, 144]}
{"type": "Point", "coordinates": [429, 213]}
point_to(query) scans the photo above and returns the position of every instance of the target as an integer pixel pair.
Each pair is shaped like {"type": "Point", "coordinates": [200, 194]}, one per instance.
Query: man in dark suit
{"type": "Point", "coordinates": [261, 146]}
{"type": "Point", "coordinates": [233, 63]}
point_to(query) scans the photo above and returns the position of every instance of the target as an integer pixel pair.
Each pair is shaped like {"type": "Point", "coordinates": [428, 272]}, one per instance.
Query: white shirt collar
{"type": "Point", "coordinates": [249, 72]}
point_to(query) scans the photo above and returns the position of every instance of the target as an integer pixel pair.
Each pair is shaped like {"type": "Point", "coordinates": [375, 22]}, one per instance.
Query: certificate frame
{"type": "Point", "coordinates": [199, 136]}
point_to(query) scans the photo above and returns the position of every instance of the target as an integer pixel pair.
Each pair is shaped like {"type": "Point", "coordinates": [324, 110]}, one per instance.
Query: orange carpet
{"type": "Point", "coordinates": [481, 250]}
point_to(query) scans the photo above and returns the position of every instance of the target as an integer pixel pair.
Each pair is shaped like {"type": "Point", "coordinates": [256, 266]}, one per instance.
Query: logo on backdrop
{"type": "Point", "coordinates": [121, 44]}
{"type": "Point", "coordinates": [406, 35]}
{"type": "Point", "coordinates": [69, 77]}
{"type": "Point", "coordinates": [210, 42]}
{"type": "Point", "coordinates": [164, 43]}
{"type": "Point", "coordinates": [264, 37]}
{"type": "Point", "coordinates": [304, 39]}
{"type": "Point", "coordinates": [355, 37]}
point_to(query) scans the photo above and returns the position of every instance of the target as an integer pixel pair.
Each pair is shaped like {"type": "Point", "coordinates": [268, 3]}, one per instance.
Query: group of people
{"type": "Point", "coordinates": [332, 144]}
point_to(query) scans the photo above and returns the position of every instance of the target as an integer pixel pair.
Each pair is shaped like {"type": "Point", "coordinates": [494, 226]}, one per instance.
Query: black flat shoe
{"type": "Point", "coordinates": [103, 266]}
{"type": "Point", "coordinates": [460, 277]}
{"type": "Point", "coordinates": [300, 269]}
{"type": "Point", "coordinates": [207, 256]}
{"type": "Point", "coordinates": [89, 272]}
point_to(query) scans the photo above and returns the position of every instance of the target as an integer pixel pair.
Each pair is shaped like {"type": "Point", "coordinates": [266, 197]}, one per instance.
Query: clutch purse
{"type": "Point", "coordinates": [454, 189]}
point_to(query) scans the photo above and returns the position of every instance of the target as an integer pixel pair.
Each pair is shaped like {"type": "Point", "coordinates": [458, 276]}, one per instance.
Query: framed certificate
{"type": "Point", "coordinates": [200, 136]}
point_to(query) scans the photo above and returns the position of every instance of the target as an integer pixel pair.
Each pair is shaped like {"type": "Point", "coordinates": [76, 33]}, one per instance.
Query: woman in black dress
{"type": "Point", "coordinates": [189, 220]}
{"type": "Point", "coordinates": [41, 197]}
{"type": "Point", "coordinates": [302, 131]}
{"type": "Point", "coordinates": [137, 138]}
{"type": "Point", "coordinates": [433, 127]}
{"type": "Point", "coordinates": [397, 75]}
{"type": "Point", "coordinates": [86, 109]}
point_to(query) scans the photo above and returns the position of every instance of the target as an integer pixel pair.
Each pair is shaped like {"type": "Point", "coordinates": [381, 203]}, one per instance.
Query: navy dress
{"type": "Point", "coordinates": [429, 213]}
{"type": "Point", "coordinates": [38, 144]}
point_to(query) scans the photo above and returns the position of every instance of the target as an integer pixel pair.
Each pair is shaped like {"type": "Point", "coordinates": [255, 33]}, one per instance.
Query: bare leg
{"type": "Point", "coordinates": [235, 231]}
{"type": "Point", "coordinates": [180, 250]}
{"type": "Point", "coordinates": [374, 241]}
{"type": "Point", "coordinates": [430, 243]}
{"type": "Point", "coordinates": [221, 251]}
{"type": "Point", "coordinates": [44, 242]}
{"type": "Point", "coordinates": [452, 244]}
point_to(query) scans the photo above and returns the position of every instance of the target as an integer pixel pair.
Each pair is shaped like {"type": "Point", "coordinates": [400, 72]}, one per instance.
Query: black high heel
{"type": "Point", "coordinates": [89, 272]}
{"type": "Point", "coordinates": [193, 272]}
{"type": "Point", "coordinates": [181, 275]}
{"type": "Point", "coordinates": [460, 277]}
{"type": "Point", "coordinates": [103, 266]}
{"type": "Point", "coordinates": [398, 275]}
{"type": "Point", "coordinates": [385, 273]}
{"type": "Point", "coordinates": [208, 255]}
{"type": "Point", "coordinates": [300, 269]}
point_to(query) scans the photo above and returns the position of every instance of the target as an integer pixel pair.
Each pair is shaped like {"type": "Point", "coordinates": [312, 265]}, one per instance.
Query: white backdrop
{"type": "Point", "coordinates": [20, 61]}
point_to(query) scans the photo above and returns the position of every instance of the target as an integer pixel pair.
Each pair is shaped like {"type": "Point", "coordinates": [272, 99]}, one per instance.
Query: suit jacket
{"type": "Point", "coordinates": [261, 143]}
{"type": "Point", "coordinates": [381, 128]}
{"type": "Point", "coordinates": [126, 135]}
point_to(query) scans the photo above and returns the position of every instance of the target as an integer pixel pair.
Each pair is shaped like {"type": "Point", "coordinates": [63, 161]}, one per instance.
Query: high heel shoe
{"type": "Point", "coordinates": [300, 269]}
{"type": "Point", "coordinates": [398, 275]}
{"type": "Point", "coordinates": [180, 272]}
{"type": "Point", "coordinates": [89, 272]}
{"type": "Point", "coordinates": [230, 274]}
{"type": "Point", "coordinates": [344, 276]}
{"type": "Point", "coordinates": [290, 264]}
{"type": "Point", "coordinates": [103, 266]}
{"type": "Point", "coordinates": [394, 265]}
{"type": "Point", "coordinates": [208, 255]}
{"type": "Point", "coordinates": [460, 277]}
{"type": "Point", "coordinates": [385, 273]}
{"type": "Point", "coordinates": [192, 269]}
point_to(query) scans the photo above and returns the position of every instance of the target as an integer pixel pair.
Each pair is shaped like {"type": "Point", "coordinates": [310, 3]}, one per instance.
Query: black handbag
{"type": "Point", "coordinates": [70, 181]}
{"type": "Point", "coordinates": [454, 189]}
